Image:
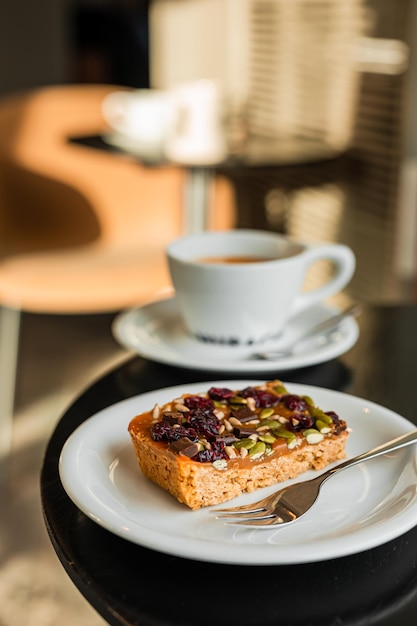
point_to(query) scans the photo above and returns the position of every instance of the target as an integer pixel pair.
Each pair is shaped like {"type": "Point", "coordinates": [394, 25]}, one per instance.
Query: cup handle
{"type": "Point", "coordinates": [344, 260]}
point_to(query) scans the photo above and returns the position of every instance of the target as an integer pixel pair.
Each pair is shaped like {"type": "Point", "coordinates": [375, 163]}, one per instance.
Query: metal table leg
{"type": "Point", "coordinates": [9, 349]}
{"type": "Point", "coordinates": [196, 198]}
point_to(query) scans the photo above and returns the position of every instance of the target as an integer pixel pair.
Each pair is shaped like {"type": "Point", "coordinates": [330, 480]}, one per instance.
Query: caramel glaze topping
{"type": "Point", "coordinates": [227, 427]}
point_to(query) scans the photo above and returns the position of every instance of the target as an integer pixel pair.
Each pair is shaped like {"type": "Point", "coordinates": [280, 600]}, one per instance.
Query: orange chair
{"type": "Point", "coordinates": [81, 230]}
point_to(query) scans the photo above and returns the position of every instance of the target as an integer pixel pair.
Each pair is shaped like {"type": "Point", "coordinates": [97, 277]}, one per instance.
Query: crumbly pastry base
{"type": "Point", "coordinates": [201, 484]}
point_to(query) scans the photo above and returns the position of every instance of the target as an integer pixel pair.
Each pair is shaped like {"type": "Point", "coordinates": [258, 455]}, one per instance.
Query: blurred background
{"type": "Point", "coordinates": [343, 73]}
{"type": "Point", "coordinates": [338, 77]}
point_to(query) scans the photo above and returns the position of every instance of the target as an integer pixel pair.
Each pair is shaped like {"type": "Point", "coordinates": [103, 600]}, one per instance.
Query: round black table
{"type": "Point", "coordinates": [131, 585]}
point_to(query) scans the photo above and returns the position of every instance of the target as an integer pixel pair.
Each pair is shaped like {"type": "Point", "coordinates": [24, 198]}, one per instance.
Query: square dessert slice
{"type": "Point", "coordinates": [210, 447]}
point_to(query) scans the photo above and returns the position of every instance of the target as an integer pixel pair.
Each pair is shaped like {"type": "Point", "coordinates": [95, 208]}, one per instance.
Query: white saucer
{"type": "Point", "coordinates": [156, 331]}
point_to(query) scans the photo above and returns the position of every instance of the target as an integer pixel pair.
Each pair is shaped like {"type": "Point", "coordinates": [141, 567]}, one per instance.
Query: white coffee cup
{"type": "Point", "coordinates": [242, 286]}
{"type": "Point", "coordinates": [141, 118]}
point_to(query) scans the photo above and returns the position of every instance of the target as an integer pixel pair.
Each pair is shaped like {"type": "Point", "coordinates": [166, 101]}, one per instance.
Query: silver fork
{"type": "Point", "coordinates": [290, 503]}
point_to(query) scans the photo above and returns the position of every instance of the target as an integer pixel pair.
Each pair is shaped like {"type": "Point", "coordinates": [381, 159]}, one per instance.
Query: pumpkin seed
{"type": "Point", "coordinates": [308, 401]}
{"type": "Point", "coordinates": [318, 414]}
{"type": "Point", "coordinates": [322, 427]}
{"type": "Point", "coordinates": [288, 435]}
{"type": "Point", "coordinates": [245, 443]}
{"type": "Point", "coordinates": [237, 400]}
{"type": "Point", "coordinates": [312, 435]}
{"type": "Point", "coordinates": [267, 438]}
{"type": "Point", "coordinates": [257, 450]}
{"type": "Point", "coordinates": [281, 432]}
{"type": "Point", "coordinates": [268, 425]}
{"type": "Point", "coordinates": [280, 389]}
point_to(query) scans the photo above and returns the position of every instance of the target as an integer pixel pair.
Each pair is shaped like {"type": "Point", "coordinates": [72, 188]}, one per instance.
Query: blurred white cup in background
{"type": "Point", "coordinates": [197, 136]}
{"type": "Point", "coordinates": [140, 120]}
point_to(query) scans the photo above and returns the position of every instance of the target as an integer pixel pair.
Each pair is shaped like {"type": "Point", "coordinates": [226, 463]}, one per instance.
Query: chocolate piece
{"type": "Point", "coordinates": [172, 417]}
{"type": "Point", "coordinates": [184, 446]}
{"type": "Point", "coordinates": [227, 439]}
{"type": "Point", "coordinates": [240, 433]}
{"type": "Point", "coordinates": [244, 414]}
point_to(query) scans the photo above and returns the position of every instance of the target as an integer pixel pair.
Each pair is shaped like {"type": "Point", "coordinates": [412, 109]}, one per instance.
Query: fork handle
{"type": "Point", "coordinates": [389, 446]}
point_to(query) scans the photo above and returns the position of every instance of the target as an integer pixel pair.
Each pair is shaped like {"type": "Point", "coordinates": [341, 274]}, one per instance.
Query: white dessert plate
{"type": "Point", "coordinates": [360, 508]}
{"type": "Point", "coordinates": [156, 331]}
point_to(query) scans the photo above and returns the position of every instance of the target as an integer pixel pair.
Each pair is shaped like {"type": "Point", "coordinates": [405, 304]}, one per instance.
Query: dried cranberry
{"type": "Point", "coordinates": [177, 433]}
{"type": "Point", "coordinates": [205, 425]}
{"type": "Point", "coordinates": [163, 431]}
{"type": "Point", "coordinates": [266, 399]}
{"type": "Point", "coordinates": [262, 398]}
{"type": "Point", "coordinates": [293, 402]}
{"type": "Point", "coordinates": [198, 402]}
{"type": "Point", "coordinates": [248, 392]}
{"type": "Point", "coordinates": [339, 424]}
{"type": "Point", "coordinates": [215, 453]}
{"type": "Point", "coordinates": [299, 421]}
{"type": "Point", "coordinates": [334, 416]}
{"type": "Point", "coordinates": [220, 393]}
